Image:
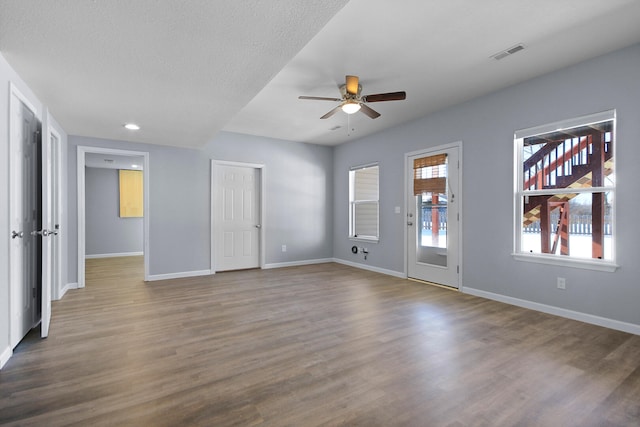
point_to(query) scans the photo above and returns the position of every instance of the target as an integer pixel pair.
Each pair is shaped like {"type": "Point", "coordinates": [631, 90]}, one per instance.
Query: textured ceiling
{"type": "Point", "coordinates": [184, 69]}
{"type": "Point", "coordinates": [180, 69]}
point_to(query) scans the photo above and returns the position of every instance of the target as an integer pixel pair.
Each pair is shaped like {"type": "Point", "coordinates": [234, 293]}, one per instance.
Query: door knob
{"type": "Point", "coordinates": [258, 226]}
{"type": "Point", "coordinates": [15, 234]}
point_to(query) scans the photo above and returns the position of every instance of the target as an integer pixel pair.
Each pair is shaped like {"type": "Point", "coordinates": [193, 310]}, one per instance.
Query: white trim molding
{"type": "Point", "coordinates": [5, 356]}
{"type": "Point", "coordinates": [393, 273]}
{"type": "Point", "coordinates": [297, 263]}
{"type": "Point", "coordinates": [557, 311]}
{"type": "Point", "coordinates": [114, 255]}
{"type": "Point", "coordinates": [67, 287]}
{"type": "Point", "coordinates": [181, 275]}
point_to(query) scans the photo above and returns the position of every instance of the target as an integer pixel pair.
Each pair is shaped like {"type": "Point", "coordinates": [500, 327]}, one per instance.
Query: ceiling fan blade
{"type": "Point", "coordinates": [369, 111]}
{"type": "Point", "coordinates": [391, 96]}
{"type": "Point", "coordinates": [319, 98]}
{"type": "Point", "coordinates": [352, 85]}
{"type": "Point", "coordinates": [332, 112]}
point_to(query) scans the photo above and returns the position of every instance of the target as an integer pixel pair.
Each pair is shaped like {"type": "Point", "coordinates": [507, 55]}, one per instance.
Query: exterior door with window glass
{"type": "Point", "coordinates": [433, 225]}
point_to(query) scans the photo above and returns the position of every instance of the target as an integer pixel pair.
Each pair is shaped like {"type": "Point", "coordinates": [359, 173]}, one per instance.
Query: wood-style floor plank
{"type": "Point", "coordinates": [319, 345]}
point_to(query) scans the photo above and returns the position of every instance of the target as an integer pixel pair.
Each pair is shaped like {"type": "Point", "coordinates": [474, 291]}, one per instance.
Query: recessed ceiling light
{"type": "Point", "coordinates": [135, 166]}
{"type": "Point", "coordinates": [132, 126]}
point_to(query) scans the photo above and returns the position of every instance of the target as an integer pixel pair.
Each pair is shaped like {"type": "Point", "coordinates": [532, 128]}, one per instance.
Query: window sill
{"type": "Point", "coordinates": [364, 239]}
{"type": "Point", "coordinates": [586, 264]}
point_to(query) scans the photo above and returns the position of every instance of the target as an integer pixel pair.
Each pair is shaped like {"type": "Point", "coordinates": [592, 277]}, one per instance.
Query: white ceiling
{"type": "Point", "coordinates": [186, 70]}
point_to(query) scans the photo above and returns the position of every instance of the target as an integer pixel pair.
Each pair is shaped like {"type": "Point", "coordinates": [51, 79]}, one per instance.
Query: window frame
{"type": "Point", "coordinates": [520, 193]}
{"type": "Point", "coordinates": [353, 203]}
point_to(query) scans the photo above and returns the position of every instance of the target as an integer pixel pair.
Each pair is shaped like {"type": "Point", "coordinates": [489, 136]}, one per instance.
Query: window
{"type": "Point", "coordinates": [565, 192]}
{"type": "Point", "coordinates": [363, 202]}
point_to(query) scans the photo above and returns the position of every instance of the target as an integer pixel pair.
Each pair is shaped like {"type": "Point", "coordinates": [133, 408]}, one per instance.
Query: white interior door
{"type": "Point", "coordinates": [433, 216]}
{"type": "Point", "coordinates": [236, 217]}
{"type": "Point", "coordinates": [23, 201]}
{"type": "Point", "coordinates": [47, 231]}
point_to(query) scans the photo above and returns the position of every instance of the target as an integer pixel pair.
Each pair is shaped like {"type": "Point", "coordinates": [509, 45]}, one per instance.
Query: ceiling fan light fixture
{"type": "Point", "coordinates": [351, 107]}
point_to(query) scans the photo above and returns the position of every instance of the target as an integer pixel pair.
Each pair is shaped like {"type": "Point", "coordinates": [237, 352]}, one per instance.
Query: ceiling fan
{"type": "Point", "coordinates": [352, 101]}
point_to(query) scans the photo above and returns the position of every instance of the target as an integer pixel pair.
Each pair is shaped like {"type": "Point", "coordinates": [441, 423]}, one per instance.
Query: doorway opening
{"type": "Point", "coordinates": [116, 160]}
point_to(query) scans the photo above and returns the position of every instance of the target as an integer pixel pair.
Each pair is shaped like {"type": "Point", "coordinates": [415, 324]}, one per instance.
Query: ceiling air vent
{"type": "Point", "coordinates": [503, 54]}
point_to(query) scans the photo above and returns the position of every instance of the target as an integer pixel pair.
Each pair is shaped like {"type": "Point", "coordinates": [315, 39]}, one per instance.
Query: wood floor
{"type": "Point", "coordinates": [319, 345]}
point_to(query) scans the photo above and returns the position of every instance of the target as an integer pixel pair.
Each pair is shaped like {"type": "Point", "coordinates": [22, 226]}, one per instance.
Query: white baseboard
{"type": "Point", "coordinates": [296, 263]}
{"type": "Point", "coordinates": [181, 275]}
{"type": "Point", "coordinates": [67, 287]}
{"type": "Point", "coordinates": [557, 311]}
{"type": "Point", "coordinates": [393, 273]}
{"type": "Point", "coordinates": [114, 255]}
{"type": "Point", "coordinates": [5, 356]}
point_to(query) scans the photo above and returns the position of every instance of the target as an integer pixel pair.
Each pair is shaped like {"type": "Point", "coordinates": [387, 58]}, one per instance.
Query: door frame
{"type": "Point", "coordinates": [57, 194]}
{"type": "Point", "coordinates": [15, 97]}
{"type": "Point", "coordinates": [427, 152]}
{"type": "Point", "coordinates": [80, 177]}
{"type": "Point", "coordinates": [214, 193]}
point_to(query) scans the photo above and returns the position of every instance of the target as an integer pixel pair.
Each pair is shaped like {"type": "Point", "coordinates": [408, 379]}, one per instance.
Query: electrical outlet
{"type": "Point", "coordinates": [284, 248]}
{"type": "Point", "coordinates": [562, 283]}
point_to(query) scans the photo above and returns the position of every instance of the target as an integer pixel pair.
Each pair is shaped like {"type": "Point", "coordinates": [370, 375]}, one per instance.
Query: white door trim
{"type": "Point", "coordinates": [80, 177]}
{"type": "Point", "coordinates": [427, 152]}
{"type": "Point", "coordinates": [13, 89]}
{"type": "Point", "coordinates": [47, 249]}
{"type": "Point", "coordinates": [62, 234]}
{"type": "Point", "coordinates": [214, 188]}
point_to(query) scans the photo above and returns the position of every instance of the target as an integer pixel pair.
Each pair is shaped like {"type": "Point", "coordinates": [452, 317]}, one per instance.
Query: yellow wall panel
{"type": "Point", "coordinates": [131, 191]}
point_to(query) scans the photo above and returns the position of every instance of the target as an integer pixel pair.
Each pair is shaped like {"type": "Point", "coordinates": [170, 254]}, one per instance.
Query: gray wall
{"type": "Point", "coordinates": [486, 126]}
{"type": "Point", "coordinates": [299, 181]}
{"type": "Point", "coordinates": [178, 212]}
{"type": "Point", "coordinates": [107, 233]}
{"type": "Point", "coordinates": [299, 187]}
{"type": "Point", "coordinates": [7, 74]}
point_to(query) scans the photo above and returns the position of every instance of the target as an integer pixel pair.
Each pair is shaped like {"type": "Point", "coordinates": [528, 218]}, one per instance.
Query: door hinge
{"type": "Point", "coordinates": [33, 292]}
{"type": "Point", "coordinates": [458, 269]}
